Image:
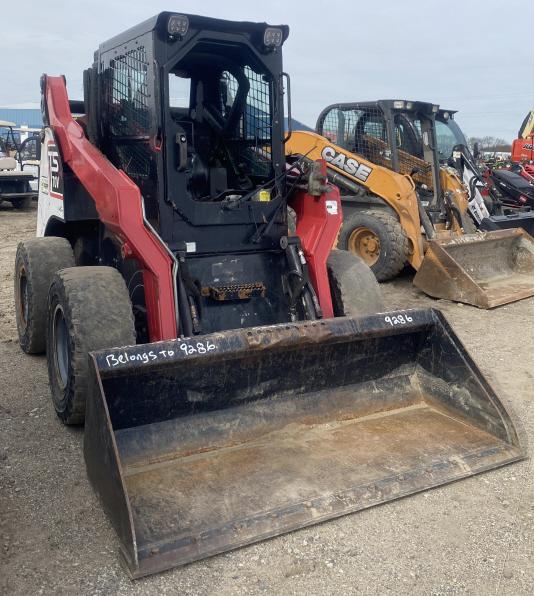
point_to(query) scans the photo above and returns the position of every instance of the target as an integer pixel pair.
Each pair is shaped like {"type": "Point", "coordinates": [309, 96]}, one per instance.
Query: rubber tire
{"type": "Point", "coordinates": [355, 290]}
{"type": "Point", "coordinates": [98, 314]}
{"type": "Point", "coordinates": [22, 204]}
{"type": "Point", "coordinates": [40, 258]}
{"type": "Point", "coordinates": [394, 246]}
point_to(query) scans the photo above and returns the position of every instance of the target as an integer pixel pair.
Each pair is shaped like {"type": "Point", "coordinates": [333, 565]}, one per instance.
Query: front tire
{"type": "Point", "coordinates": [36, 262]}
{"type": "Point", "coordinates": [355, 290]}
{"type": "Point", "coordinates": [378, 239]}
{"type": "Point", "coordinates": [88, 309]}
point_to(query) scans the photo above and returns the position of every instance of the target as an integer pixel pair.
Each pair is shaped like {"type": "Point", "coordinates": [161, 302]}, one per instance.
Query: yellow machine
{"type": "Point", "coordinates": [400, 206]}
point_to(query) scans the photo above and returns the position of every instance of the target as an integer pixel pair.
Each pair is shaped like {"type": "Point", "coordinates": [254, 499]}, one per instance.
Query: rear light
{"type": "Point", "coordinates": [522, 199]}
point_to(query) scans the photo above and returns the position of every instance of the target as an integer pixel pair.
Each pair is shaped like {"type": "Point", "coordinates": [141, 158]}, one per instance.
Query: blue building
{"type": "Point", "coordinates": [30, 117]}
{"type": "Point", "coordinates": [22, 116]}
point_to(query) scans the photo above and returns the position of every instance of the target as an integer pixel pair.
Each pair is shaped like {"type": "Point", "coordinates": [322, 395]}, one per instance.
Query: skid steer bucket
{"type": "Point", "coordinates": [520, 219]}
{"type": "Point", "coordinates": [486, 269]}
{"type": "Point", "coordinates": [203, 445]}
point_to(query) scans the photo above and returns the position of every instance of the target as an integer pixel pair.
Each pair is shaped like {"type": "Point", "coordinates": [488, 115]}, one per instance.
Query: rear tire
{"type": "Point", "coordinates": [355, 290]}
{"type": "Point", "coordinates": [88, 309]}
{"type": "Point", "coordinates": [22, 204]}
{"type": "Point", "coordinates": [36, 263]}
{"type": "Point", "coordinates": [378, 239]}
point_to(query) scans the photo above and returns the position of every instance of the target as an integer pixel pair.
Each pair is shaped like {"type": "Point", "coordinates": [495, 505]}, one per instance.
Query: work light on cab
{"type": "Point", "coordinates": [273, 37]}
{"type": "Point", "coordinates": [177, 25]}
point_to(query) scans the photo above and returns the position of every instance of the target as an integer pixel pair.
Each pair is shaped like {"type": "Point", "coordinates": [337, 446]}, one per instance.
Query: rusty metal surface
{"type": "Point", "coordinates": [486, 269]}
{"type": "Point", "coordinates": [235, 292]}
{"type": "Point", "coordinates": [271, 429]}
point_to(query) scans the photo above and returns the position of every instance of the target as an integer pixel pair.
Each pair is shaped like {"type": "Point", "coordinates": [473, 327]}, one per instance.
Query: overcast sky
{"type": "Point", "coordinates": [474, 56]}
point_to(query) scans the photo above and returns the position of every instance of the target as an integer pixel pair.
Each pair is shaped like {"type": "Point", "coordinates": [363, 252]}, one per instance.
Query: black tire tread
{"type": "Point", "coordinates": [99, 315]}
{"type": "Point", "coordinates": [355, 290]}
{"type": "Point", "coordinates": [22, 204]}
{"type": "Point", "coordinates": [385, 268]}
{"type": "Point", "coordinates": [41, 257]}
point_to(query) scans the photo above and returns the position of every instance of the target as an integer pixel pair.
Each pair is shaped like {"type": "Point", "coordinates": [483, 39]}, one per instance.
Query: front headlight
{"type": "Point", "coordinates": [177, 25]}
{"type": "Point", "coordinates": [273, 37]}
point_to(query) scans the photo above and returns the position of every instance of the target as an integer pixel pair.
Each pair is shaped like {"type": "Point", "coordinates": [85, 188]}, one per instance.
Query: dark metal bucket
{"type": "Point", "coordinates": [486, 269]}
{"type": "Point", "coordinates": [202, 445]}
{"type": "Point", "coordinates": [518, 219]}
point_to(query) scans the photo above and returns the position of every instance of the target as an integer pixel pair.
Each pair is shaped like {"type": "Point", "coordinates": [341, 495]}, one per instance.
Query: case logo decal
{"type": "Point", "coordinates": [348, 164]}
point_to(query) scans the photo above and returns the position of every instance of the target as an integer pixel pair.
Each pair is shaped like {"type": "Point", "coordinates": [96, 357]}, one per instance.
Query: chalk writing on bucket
{"type": "Point", "coordinates": [186, 348]}
{"type": "Point", "coordinates": [400, 319]}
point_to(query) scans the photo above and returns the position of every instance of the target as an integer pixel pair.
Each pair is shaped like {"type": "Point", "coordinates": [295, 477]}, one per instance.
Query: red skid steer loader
{"type": "Point", "coordinates": [226, 395]}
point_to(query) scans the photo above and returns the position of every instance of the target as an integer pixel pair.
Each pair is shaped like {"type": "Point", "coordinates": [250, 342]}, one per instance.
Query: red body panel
{"type": "Point", "coordinates": [528, 172]}
{"type": "Point", "coordinates": [319, 220]}
{"type": "Point", "coordinates": [523, 150]}
{"type": "Point", "coordinates": [119, 205]}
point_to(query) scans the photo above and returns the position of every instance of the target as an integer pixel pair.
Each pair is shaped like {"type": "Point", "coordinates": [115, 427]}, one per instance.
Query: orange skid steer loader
{"type": "Point", "coordinates": [226, 394]}
{"type": "Point", "coordinates": [401, 206]}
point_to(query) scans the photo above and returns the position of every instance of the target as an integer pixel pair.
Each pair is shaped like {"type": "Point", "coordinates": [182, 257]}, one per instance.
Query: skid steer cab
{"type": "Point", "coordinates": [226, 394]}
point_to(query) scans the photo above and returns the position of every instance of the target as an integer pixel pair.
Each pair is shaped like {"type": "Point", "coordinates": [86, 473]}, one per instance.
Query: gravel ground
{"type": "Point", "coordinates": [470, 537]}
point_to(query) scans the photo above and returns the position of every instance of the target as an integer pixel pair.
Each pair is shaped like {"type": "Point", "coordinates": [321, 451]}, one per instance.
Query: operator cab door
{"type": "Point", "coordinates": [222, 143]}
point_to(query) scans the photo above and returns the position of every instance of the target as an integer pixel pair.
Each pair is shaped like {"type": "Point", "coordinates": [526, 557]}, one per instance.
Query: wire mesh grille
{"type": "Point", "coordinates": [416, 167]}
{"type": "Point", "coordinates": [359, 130]}
{"type": "Point", "coordinates": [134, 159]}
{"type": "Point", "coordinates": [256, 120]}
{"type": "Point", "coordinates": [410, 149]}
{"type": "Point", "coordinates": [128, 111]}
{"type": "Point", "coordinates": [363, 131]}
{"type": "Point", "coordinates": [254, 126]}
{"type": "Point", "coordinates": [128, 97]}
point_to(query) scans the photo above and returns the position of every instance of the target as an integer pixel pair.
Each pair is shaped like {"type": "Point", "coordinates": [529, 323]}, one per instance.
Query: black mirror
{"type": "Point", "coordinates": [476, 150]}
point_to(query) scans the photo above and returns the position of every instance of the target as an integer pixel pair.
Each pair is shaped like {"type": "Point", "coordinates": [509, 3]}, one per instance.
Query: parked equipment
{"type": "Point", "coordinates": [15, 182]}
{"type": "Point", "coordinates": [523, 146]}
{"type": "Point", "coordinates": [492, 208]}
{"type": "Point", "coordinates": [514, 190]}
{"type": "Point", "coordinates": [252, 411]}
{"type": "Point", "coordinates": [400, 203]}
{"type": "Point", "coordinates": [526, 170]}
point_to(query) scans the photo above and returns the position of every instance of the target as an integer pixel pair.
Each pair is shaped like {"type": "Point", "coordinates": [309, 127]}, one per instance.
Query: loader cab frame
{"type": "Point", "coordinates": [198, 161]}
{"type": "Point", "coordinates": [192, 110]}
{"type": "Point", "coordinates": [396, 134]}
{"type": "Point", "coordinates": [448, 136]}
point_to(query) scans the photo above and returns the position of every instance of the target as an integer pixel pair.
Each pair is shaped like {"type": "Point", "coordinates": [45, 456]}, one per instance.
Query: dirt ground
{"type": "Point", "coordinates": [470, 537]}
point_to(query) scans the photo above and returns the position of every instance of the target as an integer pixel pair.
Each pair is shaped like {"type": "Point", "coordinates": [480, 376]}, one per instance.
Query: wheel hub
{"type": "Point", "coordinates": [366, 244]}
